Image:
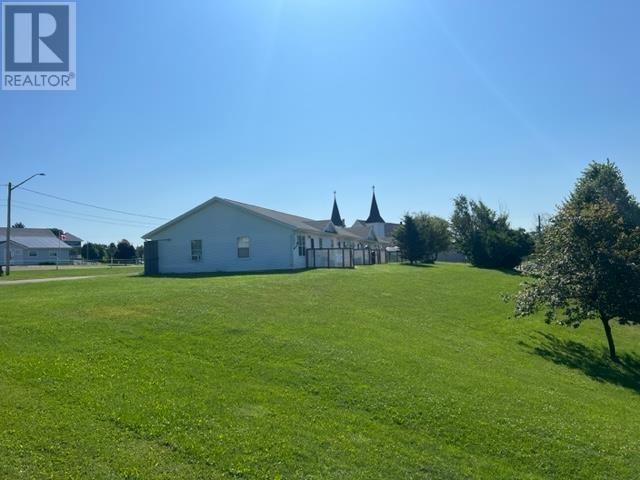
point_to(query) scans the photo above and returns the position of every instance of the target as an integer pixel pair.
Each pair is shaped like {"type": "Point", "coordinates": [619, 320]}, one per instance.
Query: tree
{"type": "Point", "coordinates": [485, 237]}
{"type": "Point", "coordinates": [435, 235]}
{"type": "Point", "coordinates": [111, 250]}
{"type": "Point", "coordinates": [409, 241]}
{"type": "Point", "coordinates": [124, 250]}
{"type": "Point", "coordinates": [140, 251]}
{"type": "Point", "coordinates": [18, 225]}
{"type": "Point", "coordinates": [587, 262]}
{"type": "Point", "coordinates": [93, 251]}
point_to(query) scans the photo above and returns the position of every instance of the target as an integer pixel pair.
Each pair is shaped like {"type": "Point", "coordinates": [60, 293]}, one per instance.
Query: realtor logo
{"type": "Point", "coordinates": [39, 46]}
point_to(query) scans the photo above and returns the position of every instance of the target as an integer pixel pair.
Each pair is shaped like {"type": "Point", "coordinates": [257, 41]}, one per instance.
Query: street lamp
{"type": "Point", "coordinates": [7, 252]}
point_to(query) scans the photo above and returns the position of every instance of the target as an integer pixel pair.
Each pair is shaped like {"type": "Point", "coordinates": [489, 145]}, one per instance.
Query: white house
{"type": "Point", "coordinates": [34, 246]}
{"type": "Point", "coordinates": [223, 235]}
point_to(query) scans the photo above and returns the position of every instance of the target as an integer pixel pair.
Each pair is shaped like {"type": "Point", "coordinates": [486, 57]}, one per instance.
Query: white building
{"type": "Point", "coordinates": [223, 235]}
{"type": "Point", "coordinates": [34, 246]}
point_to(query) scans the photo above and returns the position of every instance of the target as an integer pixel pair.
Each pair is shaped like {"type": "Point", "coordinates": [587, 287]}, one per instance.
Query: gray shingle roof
{"type": "Point", "coordinates": [33, 238]}
{"type": "Point", "coordinates": [357, 232]}
{"type": "Point", "coordinates": [300, 223]}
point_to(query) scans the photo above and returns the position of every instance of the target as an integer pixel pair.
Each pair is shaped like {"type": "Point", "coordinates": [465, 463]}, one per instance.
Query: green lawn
{"type": "Point", "coordinates": [68, 271]}
{"type": "Point", "coordinates": [384, 372]}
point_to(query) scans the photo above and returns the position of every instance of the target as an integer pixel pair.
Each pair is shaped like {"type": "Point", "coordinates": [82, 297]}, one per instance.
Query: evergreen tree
{"type": "Point", "coordinates": [408, 237]}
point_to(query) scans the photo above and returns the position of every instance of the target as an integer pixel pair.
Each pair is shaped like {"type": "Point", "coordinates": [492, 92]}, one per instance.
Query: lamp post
{"type": "Point", "coordinates": [7, 252]}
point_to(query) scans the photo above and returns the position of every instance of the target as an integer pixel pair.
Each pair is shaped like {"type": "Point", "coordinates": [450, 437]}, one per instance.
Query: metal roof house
{"type": "Point", "coordinates": [34, 246]}
{"type": "Point", "coordinates": [223, 235]}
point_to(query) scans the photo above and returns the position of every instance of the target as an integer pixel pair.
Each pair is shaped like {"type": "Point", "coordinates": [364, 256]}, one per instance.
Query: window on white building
{"type": "Point", "coordinates": [53, 253]}
{"type": "Point", "coordinates": [301, 246]}
{"type": "Point", "coordinates": [320, 242]}
{"type": "Point", "coordinates": [33, 253]}
{"type": "Point", "coordinates": [196, 250]}
{"type": "Point", "coordinates": [243, 247]}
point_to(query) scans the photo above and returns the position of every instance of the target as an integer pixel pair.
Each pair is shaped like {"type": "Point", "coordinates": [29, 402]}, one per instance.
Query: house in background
{"type": "Point", "coordinates": [223, 235]}
{"type": "Point", "coordinates": [76, 245]}
{"type": "Point", "coordinates": [36, 246]}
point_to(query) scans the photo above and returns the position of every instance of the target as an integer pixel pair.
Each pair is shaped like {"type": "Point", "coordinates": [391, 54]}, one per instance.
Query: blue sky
{"type": "Point", "coordinates": [279, 103]}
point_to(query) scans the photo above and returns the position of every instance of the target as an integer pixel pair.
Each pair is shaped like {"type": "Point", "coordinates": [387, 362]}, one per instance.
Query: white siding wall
{"type": "Point", "coordinates": [300, 261]}
{"type": "Point", "coordinates": [219, 226]}
{"type": "Point", "coordinates": [20, 256]}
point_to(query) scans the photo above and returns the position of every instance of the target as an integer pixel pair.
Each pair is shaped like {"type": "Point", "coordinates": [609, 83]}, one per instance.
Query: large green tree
{"type": "Point", "coordinates": [587, 261]}
{"type": "Point", "coordinates": [435, 235]}
{"type": "Point", "coordinates": [93, 251]}
{"type": "Point", "coordinates": [486, 237]}
{"type": "Point", "coordinates": [408, 238]}
{"type": "Point", "coordinates": [124, 250]}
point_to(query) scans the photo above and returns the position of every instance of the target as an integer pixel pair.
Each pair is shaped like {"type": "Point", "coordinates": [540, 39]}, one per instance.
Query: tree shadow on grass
{"type": "Point", "coordinates": [593, 362]}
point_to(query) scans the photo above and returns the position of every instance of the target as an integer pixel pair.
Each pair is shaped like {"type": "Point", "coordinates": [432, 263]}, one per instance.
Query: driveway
{"type": "Point", "coordinates": [59, 279]}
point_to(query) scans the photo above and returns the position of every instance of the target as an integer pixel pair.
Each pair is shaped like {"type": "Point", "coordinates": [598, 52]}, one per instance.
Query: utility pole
{"type": "Point", "coordinates": [7, 251]}
{"type": "Point", "coordinates": [7, 248]}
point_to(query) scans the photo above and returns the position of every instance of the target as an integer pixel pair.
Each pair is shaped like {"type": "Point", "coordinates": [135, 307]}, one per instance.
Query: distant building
{"type": "Point", "coordinates": [382, 231]}
{"type": "Point", "coordinates": [35, 246]}
{"type": "Point", "coordinates": [223, 235]}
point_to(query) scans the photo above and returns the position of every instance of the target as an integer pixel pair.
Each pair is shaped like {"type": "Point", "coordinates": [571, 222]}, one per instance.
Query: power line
{"type": "Point", "coordinates": [75, 217]}
{"type": "Point", "coordinates": [90, 205]}
{"type": "Point", "coordinates": [82, 214]}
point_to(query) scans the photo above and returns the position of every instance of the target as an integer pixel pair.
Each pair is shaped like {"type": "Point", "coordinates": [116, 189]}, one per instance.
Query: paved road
{"type": "Point", "coordinates": [59, 279]}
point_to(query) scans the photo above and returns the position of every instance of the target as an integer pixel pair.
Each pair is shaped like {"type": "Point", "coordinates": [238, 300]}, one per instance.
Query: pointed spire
{"type": "Point", "coordinates": [336, 219]}
{"type": "Point", "coordinates": [374, 213]}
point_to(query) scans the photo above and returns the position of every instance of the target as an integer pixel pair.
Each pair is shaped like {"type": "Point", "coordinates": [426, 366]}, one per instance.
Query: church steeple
{"type": "Point", "coordinates": [374, 213]}
{"type": "Point", "coordinates": [336, 219]}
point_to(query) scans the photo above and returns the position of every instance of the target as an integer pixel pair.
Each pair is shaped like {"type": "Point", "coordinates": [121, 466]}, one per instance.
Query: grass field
{"type": "Point", "coordinates": [383, 372]}
{"type": "Point", "coordinates": [68, 271]}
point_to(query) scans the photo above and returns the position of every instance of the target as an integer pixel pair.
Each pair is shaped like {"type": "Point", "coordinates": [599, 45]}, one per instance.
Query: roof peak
{"type": "Point", "coordinates": [336, 218]}
{"type": "Point", "coordinates": [374, 212]}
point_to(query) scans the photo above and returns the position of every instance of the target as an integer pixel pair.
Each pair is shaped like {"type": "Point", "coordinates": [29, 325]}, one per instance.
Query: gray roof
{"type": "Point", "coordinates": [301, 223]}
{"type": "Point", "coordinates": [72, 238]}
{"type": "Point", "coordinates": [390, 228]}
{"type": "Point", "coordinates": [360, 231]}
{"type": "Point", "coordinates": [361, 226]}
{"type": "Point", "coordinates": [33, 238]}
{"type": "Point", "coordinates": [349, 232]}
{"type": "Point", "coordinates": [294, 221]}
{"type": "Point", "coordinates": [318, 224]}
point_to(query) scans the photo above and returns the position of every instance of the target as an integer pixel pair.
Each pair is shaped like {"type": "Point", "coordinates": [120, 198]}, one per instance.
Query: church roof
{"type": "Point", "coordinates": [335, 214]}
{"type": "Point", "coordinates": [374, 213]}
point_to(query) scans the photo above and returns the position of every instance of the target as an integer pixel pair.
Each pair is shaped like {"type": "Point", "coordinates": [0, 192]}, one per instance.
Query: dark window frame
{"type": "Point", "coordinates": [243, 252]}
